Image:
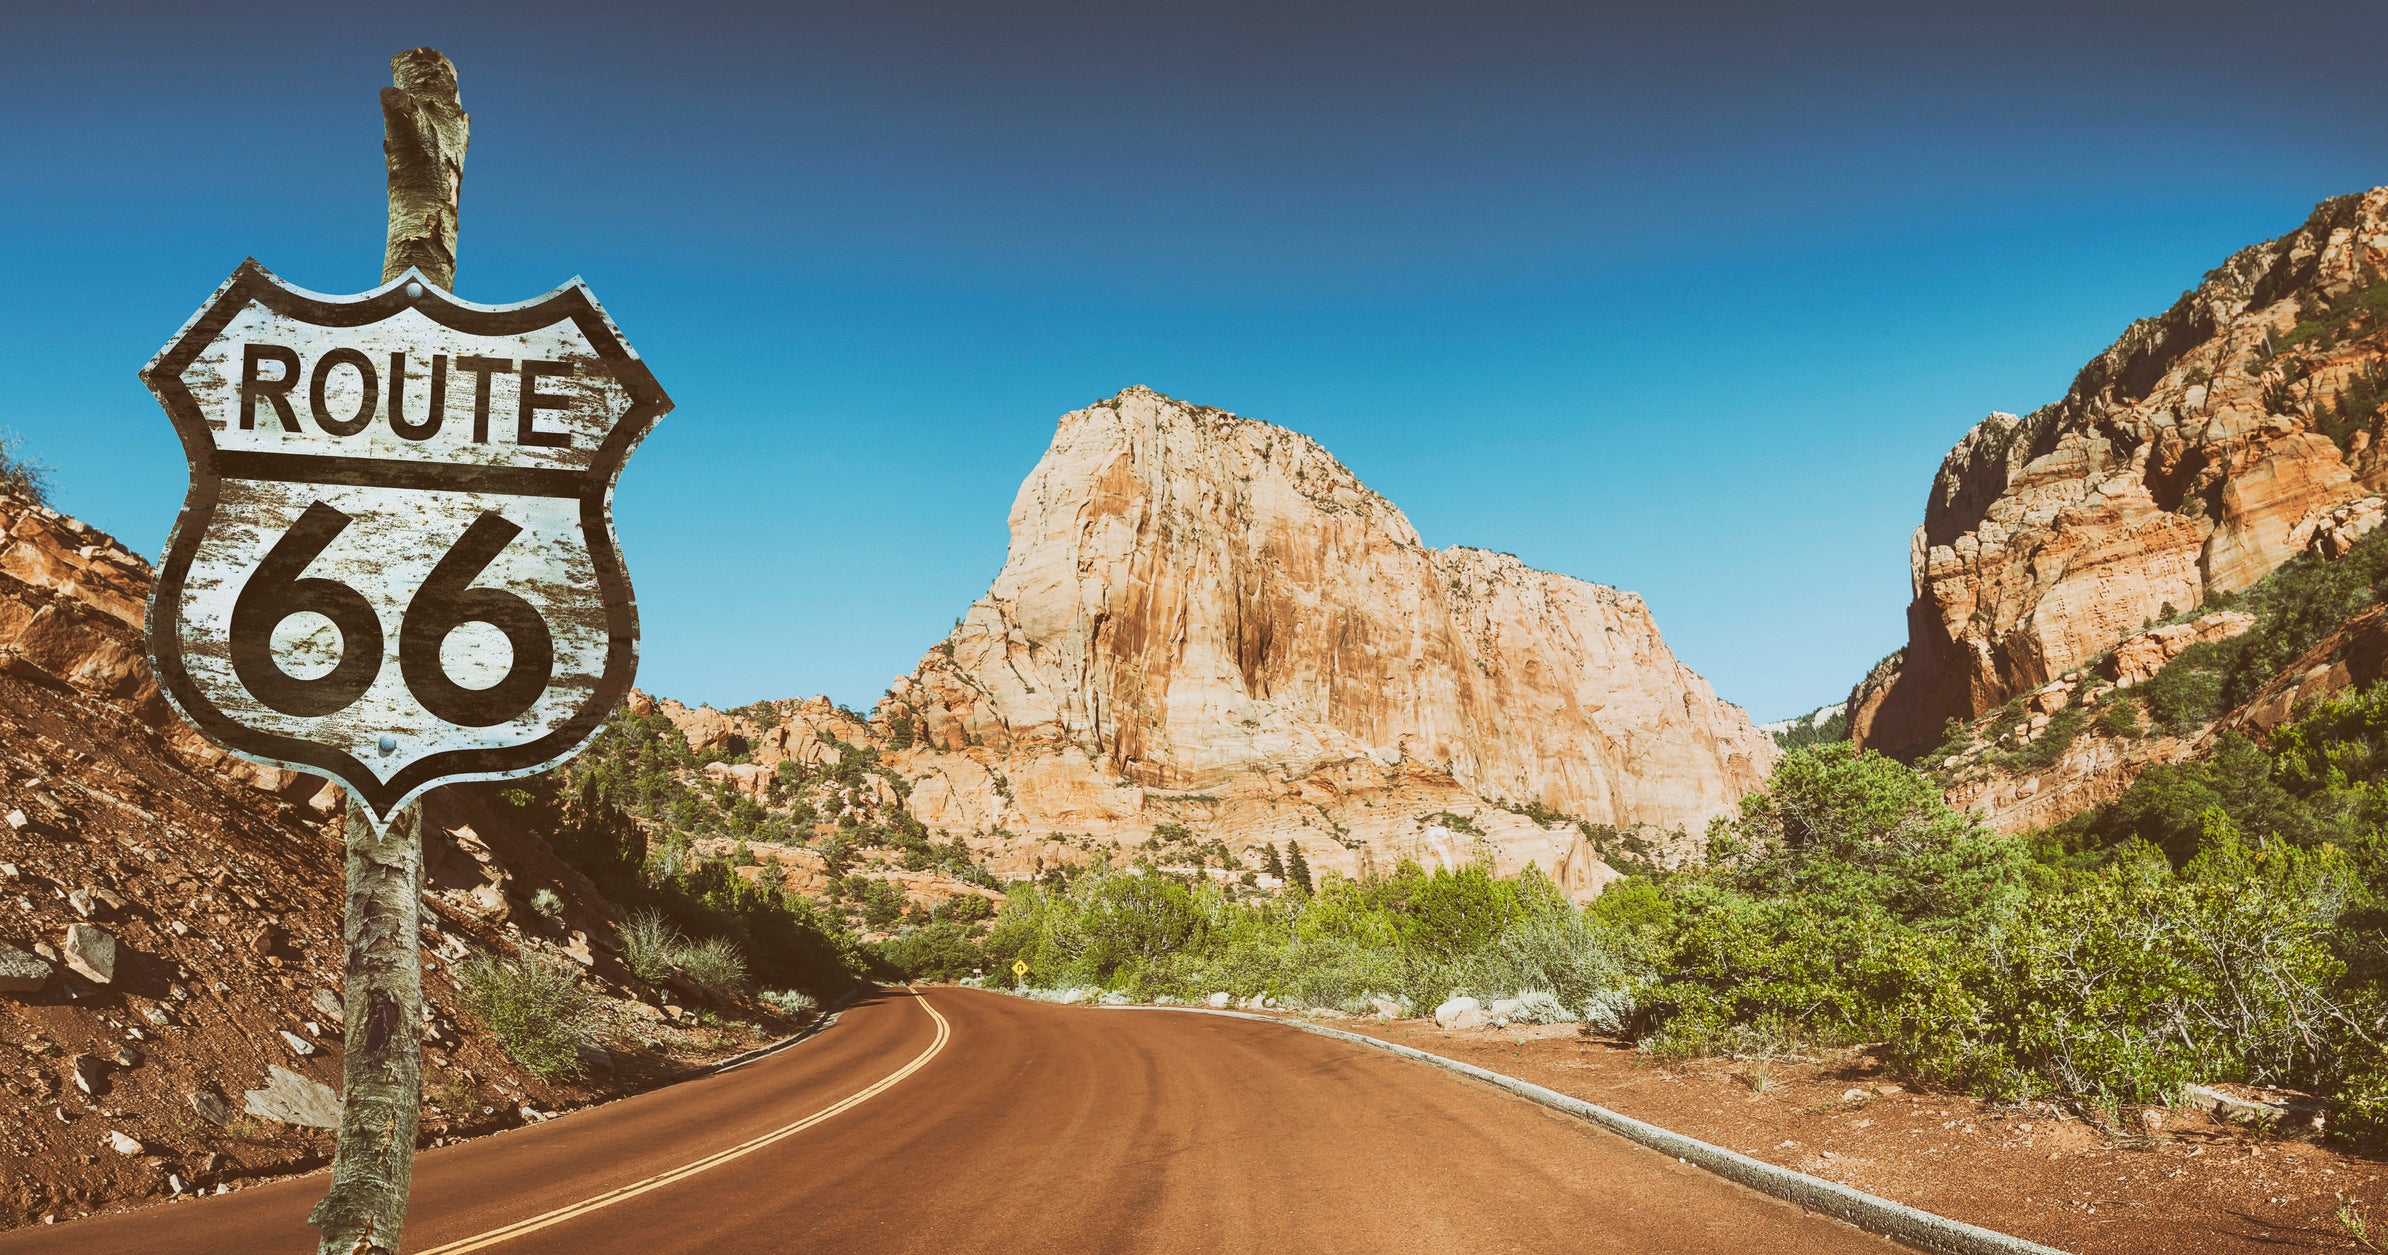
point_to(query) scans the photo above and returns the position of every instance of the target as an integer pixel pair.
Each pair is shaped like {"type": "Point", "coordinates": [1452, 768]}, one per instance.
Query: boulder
{"type": "Point", "coordinates": [91, 952]}
{"type": "Point", "coordinates": [1504, 1008]}
{"type": "Point", "coordinates": [1451, 1013]}
{"type": "Point", "coordinates": [292, 1099]}
{"type": "Point", "coordinates": [1219, 1001]}
{"type": "Point", "coordinates": [21, 973]}
{"type": "Point", "coordinates": [1389, 1008]}
{"type": "Point", "coordinates": [122, 1144]}
{"type": "Point", "coordinates": [298, 1045]}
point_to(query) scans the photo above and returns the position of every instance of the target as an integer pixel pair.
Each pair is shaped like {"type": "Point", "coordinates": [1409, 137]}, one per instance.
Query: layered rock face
{"type": "Point", "coordinates": [1208, 620]}
{"type": "Point", "coordinates": [2203, 449]}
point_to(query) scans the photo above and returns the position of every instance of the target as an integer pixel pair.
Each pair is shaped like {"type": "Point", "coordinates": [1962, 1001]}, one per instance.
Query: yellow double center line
{"type": "Point", "coordinates": [561, 1214]}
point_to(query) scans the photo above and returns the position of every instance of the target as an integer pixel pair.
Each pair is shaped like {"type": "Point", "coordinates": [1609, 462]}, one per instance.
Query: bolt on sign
{"type": "Point", "coordinates": [397, 564]}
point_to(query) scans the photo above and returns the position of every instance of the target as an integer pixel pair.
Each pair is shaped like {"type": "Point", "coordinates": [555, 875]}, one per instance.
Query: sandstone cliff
{"type": "Point", "coordinates": [2204, 448]}
{"type": "Point", "coordinates": [1208, 622]}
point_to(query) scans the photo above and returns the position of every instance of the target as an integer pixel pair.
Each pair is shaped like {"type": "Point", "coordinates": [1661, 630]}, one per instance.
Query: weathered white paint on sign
{"type": "Point", "coordinates": [397, 565]}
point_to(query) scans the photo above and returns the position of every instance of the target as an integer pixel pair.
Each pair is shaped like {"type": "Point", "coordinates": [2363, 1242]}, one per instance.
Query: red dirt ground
{"type": "Point", "coordinates": [2195, 1184]}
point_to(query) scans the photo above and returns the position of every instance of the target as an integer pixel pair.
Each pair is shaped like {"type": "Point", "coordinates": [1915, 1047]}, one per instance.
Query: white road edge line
{"type": "Point", "coordinates": [1898, 1221]}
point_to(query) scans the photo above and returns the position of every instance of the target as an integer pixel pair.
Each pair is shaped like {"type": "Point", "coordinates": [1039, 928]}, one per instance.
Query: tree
{"type": "Point", "coordinates": [1297, 868]}
{"type": "Point", "coordinates": [1270, 861]}
{"type": "Point", "coordinates": [1841, 827]}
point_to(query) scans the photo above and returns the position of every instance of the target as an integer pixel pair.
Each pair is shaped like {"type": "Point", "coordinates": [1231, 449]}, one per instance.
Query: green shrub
{"type": "Point", "coordinates": [648, 943]}
{"type": "Point", "coordinates": [794, 1004]}
{"type": "Point", "coordinates": [536, 1010]}
{"type": "Point", "coordinates": [2143, 981]}
{"type": "Point", "coordinates": [2118, 716]}
{"type": "Point", "coordinates": [1535, 1006]}
{"type": "Point", "coordinates": [2295, 607]}
{"type": "Point", "coordinates": [715, 965]}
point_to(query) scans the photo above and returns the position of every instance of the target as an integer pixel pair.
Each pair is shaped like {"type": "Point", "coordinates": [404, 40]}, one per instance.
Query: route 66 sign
{"type": "Point", "coordinates": [397, 564]}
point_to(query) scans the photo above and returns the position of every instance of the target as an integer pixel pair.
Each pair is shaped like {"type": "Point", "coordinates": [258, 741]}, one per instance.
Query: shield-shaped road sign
{"type": "Point", "coordinates": [397, 564]}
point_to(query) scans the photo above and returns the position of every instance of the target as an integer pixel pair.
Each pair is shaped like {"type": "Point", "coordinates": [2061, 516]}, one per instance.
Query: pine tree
{"type": "Point", "coordinates": [1297, 868]}
{"type": "Point", "coordinates": [1270, 862]}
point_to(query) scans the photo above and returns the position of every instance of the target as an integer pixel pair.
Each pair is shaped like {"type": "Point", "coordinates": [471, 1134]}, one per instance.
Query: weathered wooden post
{"type": "Point", "coordinates": [344, 592]}
{"type": "Point", "coordinates": [425, 132]}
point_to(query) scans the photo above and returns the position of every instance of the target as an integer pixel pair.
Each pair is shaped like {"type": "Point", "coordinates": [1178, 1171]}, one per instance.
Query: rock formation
{"type": "Point", "coordinates": [1207, 621]}
{"type": "Point", "coordinates": [2204, 448]}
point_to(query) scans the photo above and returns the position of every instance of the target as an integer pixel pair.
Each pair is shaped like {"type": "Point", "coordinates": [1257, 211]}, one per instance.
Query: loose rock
{"type": "Point", "coordinates": [211, 1108]}
{"type": "Point", "coordinates": [293, 1099]}
{"type": "Point", "coordinates": [20, 972]}
{"type": "Point", "coordinates": [91, 952]}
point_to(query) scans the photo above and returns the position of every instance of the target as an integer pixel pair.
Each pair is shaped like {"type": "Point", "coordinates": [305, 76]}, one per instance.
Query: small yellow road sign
{"type": "Point", "coordinates": [1019, 969]}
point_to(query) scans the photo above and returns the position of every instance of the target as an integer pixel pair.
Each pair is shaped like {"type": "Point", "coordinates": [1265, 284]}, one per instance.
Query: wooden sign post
{"type": "Point", "coordinates": [396, 567]}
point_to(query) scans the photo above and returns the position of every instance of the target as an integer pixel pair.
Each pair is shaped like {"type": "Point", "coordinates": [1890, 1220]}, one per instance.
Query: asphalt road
{"type": "Point", "coordinates": [955, 1120]}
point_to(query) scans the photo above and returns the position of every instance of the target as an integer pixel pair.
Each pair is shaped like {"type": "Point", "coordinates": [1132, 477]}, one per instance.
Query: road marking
{"type": "Point", "coordinates": [483, 1241]}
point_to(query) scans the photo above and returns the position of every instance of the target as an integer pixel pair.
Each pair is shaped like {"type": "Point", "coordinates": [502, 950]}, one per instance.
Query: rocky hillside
{"type": "Point", "coordinates": [2244, 664]}
{"type": "Point", "coordinates": [170, 953]}
{"type": "Point", "coordinates": [1207, 629]}
{"type": "Point", "coordinates": [2204, 448]}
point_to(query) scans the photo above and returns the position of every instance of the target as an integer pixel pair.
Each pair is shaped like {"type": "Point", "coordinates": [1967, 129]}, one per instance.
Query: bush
{"type": "Point", "coordinates": [535, 1009]}
{"type": "Point", "coordinates": [794, 1004]}
{"type": "Point", "coordinates": [1536, 1006]}
{"type": "Point", "coordinates": [715, 965]}
{"type": "Point", "coordinates": [2118, 716]}
{"type": "Point", "coordinates": [648, 943]}
{"type": "Point", "coordinates": [2143, 981]}
{"type": "Point", "coordinates": [2295, 607]}
{"type": "Point", "coordinates": [548, 905]}
{"type": "Point", "coordinates": [20, 476]}
{"type": "Point", "coordinates": [1559, 955]}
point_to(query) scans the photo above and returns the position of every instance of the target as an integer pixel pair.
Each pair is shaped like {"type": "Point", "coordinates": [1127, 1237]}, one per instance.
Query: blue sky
{"type": "Point", "coordinates": [1691, 304]}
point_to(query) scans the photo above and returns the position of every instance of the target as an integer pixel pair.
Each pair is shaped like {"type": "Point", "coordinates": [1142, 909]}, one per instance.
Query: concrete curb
{"type": "Point", "coordinates": [1898, 1221]}
{"type": "Point", "coordinates": [736, 1061]}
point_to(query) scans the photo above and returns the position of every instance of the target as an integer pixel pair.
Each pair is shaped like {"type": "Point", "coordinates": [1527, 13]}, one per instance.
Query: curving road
{"type": "Point", "coordinates": [951, 1120]}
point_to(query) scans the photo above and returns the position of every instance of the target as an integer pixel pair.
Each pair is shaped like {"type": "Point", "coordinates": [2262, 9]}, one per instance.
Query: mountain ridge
{"type": "Point", "coordinates": [2203, 448]}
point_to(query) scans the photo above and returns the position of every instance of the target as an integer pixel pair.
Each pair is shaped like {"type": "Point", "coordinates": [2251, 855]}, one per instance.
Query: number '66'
{"type": "Point", "coordinates": [446, 601]}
